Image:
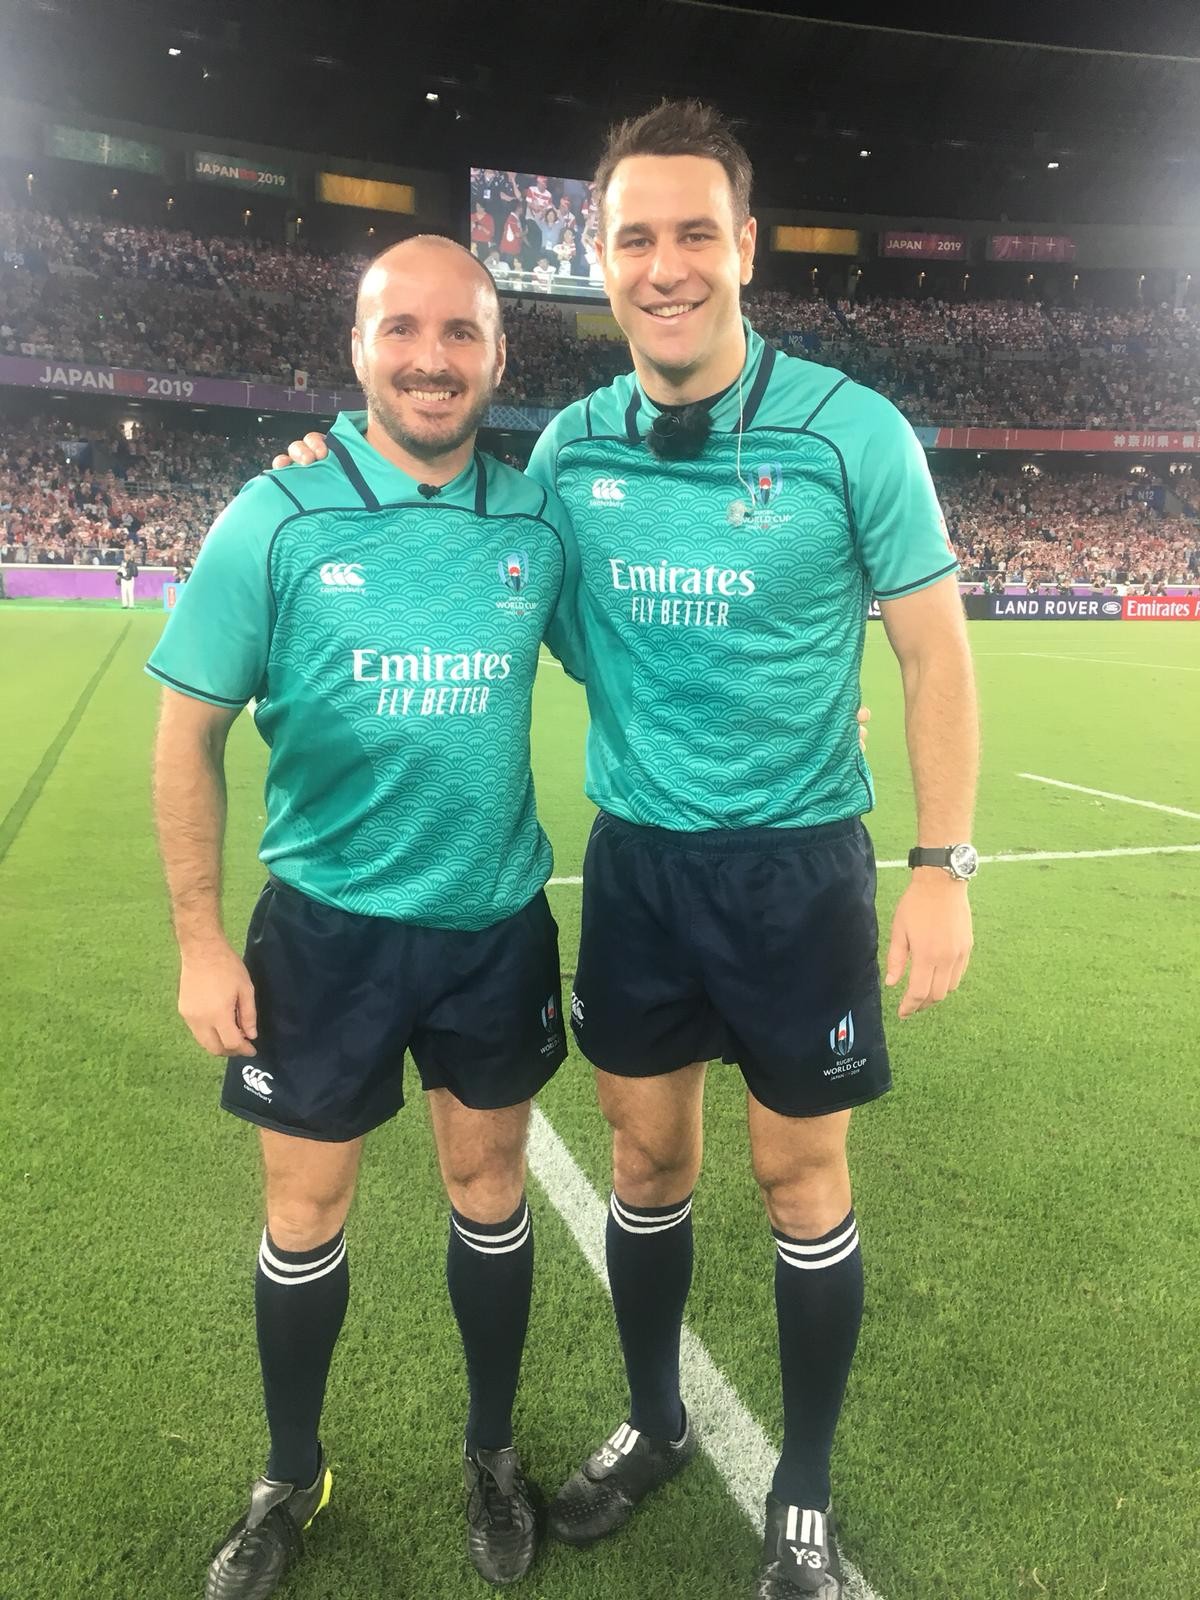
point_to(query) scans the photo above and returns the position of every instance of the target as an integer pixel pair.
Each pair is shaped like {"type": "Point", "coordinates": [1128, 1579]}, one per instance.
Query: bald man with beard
{"type": "Point", "coordinates": [385, 611]}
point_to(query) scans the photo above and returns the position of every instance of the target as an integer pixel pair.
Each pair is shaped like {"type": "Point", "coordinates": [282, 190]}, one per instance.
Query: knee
{"type": "Point", "coordinates": [651, 1171]}
{"type": "Point", "coordinates": [805, 1201]}
{"type": "Point", "coordinates": [488, 1192]}
{"type": "Point", "coordinates": [302, 1221]}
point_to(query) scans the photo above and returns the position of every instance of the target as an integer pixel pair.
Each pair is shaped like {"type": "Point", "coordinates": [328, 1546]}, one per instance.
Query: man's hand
{"type": "Point", "coordinates": [932, 929]}
{"type": "Point", "coordinates": [303, 452]}
{"type": "Point", "coordinates": [216, 1000]}
{"type": "Point", "coordinates": [862, 717]}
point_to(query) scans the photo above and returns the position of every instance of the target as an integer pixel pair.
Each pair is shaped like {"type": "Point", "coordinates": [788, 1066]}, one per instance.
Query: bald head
{"type": "Point", "coordinates": [427, 346]}
{"type": "Point", "coordinates": [429, 255]}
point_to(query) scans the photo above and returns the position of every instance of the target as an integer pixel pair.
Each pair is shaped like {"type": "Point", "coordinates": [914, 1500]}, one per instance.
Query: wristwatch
{"type": "Point", "coordinates": [959, 860]}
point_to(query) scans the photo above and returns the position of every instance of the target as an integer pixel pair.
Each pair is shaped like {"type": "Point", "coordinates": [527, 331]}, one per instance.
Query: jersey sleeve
{"type": "Point", "coordinates": [564, 631]}
{"type": "Point", "coordinates": [902, 539]}
{"type": "Point", "coordinates": [216, 641]}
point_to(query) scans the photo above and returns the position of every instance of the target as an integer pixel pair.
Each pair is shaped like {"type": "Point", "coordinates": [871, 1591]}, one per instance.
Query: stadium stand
{"type": "Point", "coordinates": [89, 289]}
{"type": "Point", "coordinates": [163, 488]}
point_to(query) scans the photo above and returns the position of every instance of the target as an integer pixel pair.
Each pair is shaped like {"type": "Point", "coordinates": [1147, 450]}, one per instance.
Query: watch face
{"type": "Point", "coordinates": [964, 861]}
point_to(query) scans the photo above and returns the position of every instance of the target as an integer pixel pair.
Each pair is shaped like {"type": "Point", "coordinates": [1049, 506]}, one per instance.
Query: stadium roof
{"type": "Point", "coordinates": [954, 125]}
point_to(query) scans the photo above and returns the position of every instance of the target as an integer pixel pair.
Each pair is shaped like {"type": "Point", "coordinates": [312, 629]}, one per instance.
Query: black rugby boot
{"type": "Point", "coordinates": [614, 1480]}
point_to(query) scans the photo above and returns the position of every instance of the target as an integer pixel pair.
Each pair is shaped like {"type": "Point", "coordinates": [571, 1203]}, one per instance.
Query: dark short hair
{"type": "Point", "coordinates": [680, 128]}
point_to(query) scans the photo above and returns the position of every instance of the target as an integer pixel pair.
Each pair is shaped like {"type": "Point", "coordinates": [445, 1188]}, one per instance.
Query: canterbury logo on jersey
{"type": "Point", "coordinates": [258, 1082]}
{"type": "Point", "coordinates": [342, 575]}
{"type": "Point", "coordinates": [607, 489]}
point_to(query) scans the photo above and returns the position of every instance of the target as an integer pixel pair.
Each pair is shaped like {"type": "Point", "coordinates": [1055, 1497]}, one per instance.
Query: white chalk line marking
{"type": "Point", "coordinates": [733, 1441]}
{"type": "Point", "coordinates": [1105, 661]}
{"type": "Point", "coordinates": [1107, 794]}
{"type": "Point", "coordinates": [1005, 859]}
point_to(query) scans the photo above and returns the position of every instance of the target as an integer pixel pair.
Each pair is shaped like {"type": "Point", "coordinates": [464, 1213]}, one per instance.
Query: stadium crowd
{"type": "Point", "coordinates": [70, 500]}
{"type": "Point", "coordinates": [1067, 527]}
{"type": "Point", "coordinates": [86, 289]}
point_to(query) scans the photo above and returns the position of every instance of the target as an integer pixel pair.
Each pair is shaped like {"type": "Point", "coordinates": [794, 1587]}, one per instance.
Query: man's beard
{"type": "Point", "coordinates": [426, 447]}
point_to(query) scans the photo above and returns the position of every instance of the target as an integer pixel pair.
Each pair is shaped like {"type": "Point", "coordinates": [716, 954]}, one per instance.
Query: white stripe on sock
{"type": "Point", "coordinates": [310, 1275]}
{"type": "Point", "coordinates": [478, 1242]}
{"type": "Point", "coordinates": [821, 1246]}
{"type": "Point", "coordinates": [631, 1438]}
{"type": "Point", "coordinates": [815, 1266]}
{"type": "Point", "coordinates": [819, 1527]}
{"type": "Point", "coordinates": [806, 1527]}
{"type": "Point", "coordinates": [618, 1438]}
{"type": "Point", "coordinates": [632, 1222]}
{"type": "Point", "coordinates": [299, 1266]}
{"type": "Point", "coordinates": [791, 1524]}
{"type": "Point", "coordinates": [492, 1238]}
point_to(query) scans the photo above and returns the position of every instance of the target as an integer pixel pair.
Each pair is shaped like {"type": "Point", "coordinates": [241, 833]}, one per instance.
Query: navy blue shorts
{"type": "Point", "coordinates": [757, 945]}
{"type": "Point", "coordinates": [341, 997]}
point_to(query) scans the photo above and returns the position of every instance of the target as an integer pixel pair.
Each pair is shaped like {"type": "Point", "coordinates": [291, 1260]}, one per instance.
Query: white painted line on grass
{"type": "Point", "coordinates": [734, 1442]}
{"type": "Point", "coordinates": [1106, 794]}
{"type": "Point", "coordinates": [1034, 855]}
{"type": "Point", "coordinates": [1106, 661]}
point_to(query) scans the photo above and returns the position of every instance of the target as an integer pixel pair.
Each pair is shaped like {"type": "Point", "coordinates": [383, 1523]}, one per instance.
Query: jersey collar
{"type": "Point", "coordinates": [379, 483]}
{"type": "Point", "coordinates": [737, 408]}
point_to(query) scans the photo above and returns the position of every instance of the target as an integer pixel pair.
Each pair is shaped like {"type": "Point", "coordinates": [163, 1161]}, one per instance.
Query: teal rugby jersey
{"type": "Point", "coordinates": [391, 643]}
{"type": "Point", "coordinates": [725, 619]}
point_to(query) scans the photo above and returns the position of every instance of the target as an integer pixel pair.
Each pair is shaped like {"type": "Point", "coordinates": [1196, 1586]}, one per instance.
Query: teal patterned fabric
{"type": "Point", "coordinates": [726, 597]}
{"type": "Point", "coordinates": [392, 650]}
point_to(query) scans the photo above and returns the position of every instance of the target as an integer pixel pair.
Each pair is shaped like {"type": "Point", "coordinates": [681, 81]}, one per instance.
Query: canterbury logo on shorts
{"type": "Point", "coordinates": [258, 1082]}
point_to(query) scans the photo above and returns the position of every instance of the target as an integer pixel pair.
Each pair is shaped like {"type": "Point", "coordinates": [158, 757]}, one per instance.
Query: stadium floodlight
{"type": "Point", "coordinates": [1052, 166]}
{"type": "Point", "coordinates": [863, 154]}
{"type": "Point", "coordinates": [432, 98]}
{"type": "Point", "coordinates": [174, 50]}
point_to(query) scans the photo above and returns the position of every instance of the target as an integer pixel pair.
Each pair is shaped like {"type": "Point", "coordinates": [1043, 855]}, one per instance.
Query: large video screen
{"type": "Point", "coordinates": [536, 234]}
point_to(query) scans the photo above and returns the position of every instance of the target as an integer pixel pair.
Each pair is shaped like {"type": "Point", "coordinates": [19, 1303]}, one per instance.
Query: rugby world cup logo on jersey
{"type": "Point", "coordinates": [765, 487]}
{"type": "Point", "coordinates": [767, 483]}
{"type": "Point", "coordinates": [513, 571]}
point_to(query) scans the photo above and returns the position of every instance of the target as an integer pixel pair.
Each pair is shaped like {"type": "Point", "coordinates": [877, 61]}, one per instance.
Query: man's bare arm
{"type": "Point", "coordinates": [216, 998]}
{"type": "Point", "coordinates": [932, 925]}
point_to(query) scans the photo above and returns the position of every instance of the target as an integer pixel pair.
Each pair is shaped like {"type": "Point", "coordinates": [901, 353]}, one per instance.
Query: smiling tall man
{"type": "Point", "coordinates": [735, 510]}
{"type": "Point", "coordinates": [385, 611]}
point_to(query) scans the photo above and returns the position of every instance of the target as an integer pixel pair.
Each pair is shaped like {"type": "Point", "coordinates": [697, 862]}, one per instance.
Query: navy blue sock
{"type": "Point", "coordinates": [299, 1301]}
{"type": "Point", "coordinates": [649, 1250]}
{"type": "Point", "coordinates": [818, 1300]}
{"type": "Point", "coordinates": [489, 1272]}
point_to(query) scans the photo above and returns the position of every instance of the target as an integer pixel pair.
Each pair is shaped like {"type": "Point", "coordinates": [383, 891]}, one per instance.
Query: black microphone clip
{"type": "Point", "coordinates": [428, 490]}
{"type": "Point", "coordinates": [680, 435]}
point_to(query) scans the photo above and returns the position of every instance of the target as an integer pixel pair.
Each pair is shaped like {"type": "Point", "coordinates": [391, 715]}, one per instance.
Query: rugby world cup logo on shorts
{"type": "Point", "coordinates": [841, 1037]}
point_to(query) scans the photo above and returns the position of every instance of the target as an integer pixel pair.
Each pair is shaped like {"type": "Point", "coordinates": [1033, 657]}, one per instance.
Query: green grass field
{"type": "Point", "coordinates": [1022, 1416]}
